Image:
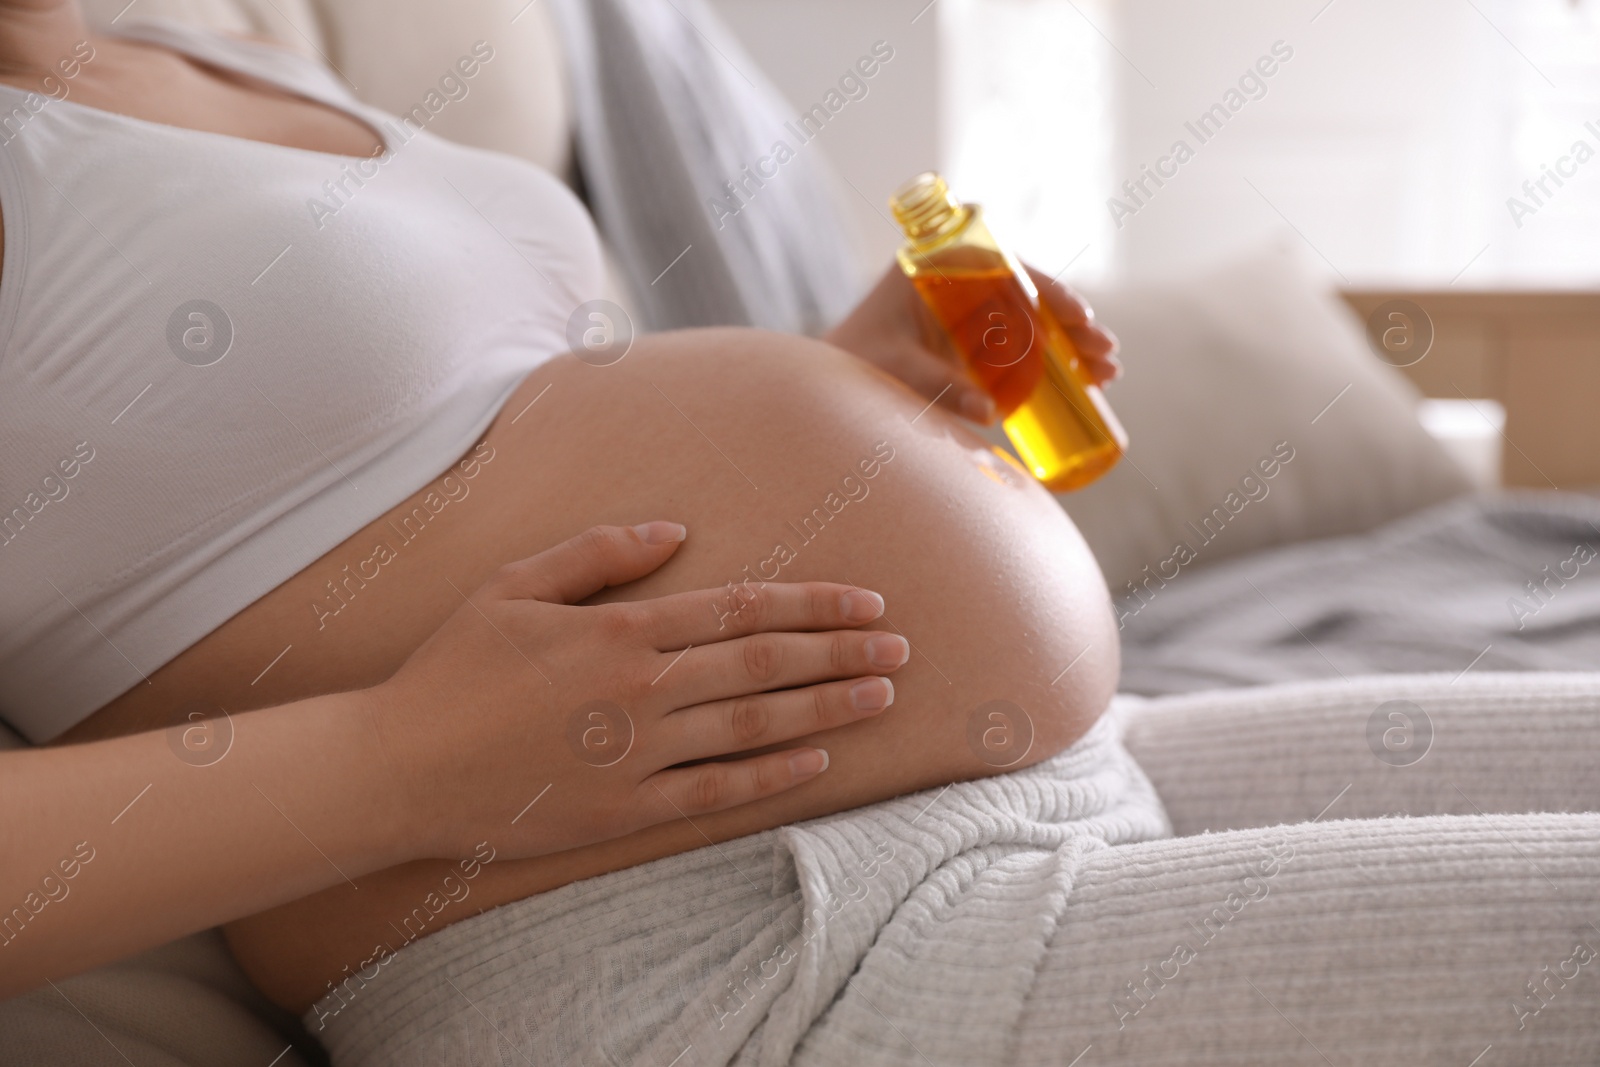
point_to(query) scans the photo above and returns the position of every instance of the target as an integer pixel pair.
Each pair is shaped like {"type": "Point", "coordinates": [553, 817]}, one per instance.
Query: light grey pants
{"type": "Point", "coordinates": [1396, 869]}
{"type": "Point", "coordinates": [1346, 886]}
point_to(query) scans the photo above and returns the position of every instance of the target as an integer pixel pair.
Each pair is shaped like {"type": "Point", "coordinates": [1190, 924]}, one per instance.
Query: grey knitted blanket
{"type": "Point", "coordinates": [1502, 581]}
{"type": "Point", "coordinates": [799, 945]}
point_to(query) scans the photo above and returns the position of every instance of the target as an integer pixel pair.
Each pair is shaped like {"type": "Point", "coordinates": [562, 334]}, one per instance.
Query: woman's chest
{"type": "Point", "coordinates": [246, 336]}
{"type": "Point", "coordinates": [160, 86]}
{"type": "Point", "coordinates": [261, 299]}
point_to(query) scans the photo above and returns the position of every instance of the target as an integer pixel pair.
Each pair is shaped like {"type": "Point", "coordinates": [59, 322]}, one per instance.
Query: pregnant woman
{"type": "Point", "coordinates": [279, 449]}
{"type": "Point", "coordinates": [507, 708]}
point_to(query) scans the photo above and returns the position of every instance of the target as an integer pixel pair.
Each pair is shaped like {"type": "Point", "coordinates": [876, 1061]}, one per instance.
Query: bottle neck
{"type": "Point", "coordinates": [928, 213]}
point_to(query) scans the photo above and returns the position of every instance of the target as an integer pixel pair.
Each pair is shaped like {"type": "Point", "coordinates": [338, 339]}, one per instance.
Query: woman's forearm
{"type": "Point", "coordinates": [117, 846]}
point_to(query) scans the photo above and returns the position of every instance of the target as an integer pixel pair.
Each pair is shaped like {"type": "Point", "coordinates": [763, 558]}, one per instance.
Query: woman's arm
{"type": "Point", "coordinates": [119, 845]}
{"type": "Point", "coordinates": [114, 846]}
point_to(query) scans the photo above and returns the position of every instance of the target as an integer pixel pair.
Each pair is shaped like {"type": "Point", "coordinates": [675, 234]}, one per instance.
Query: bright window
{"type": "Point", "coordinates": [1394, 141]}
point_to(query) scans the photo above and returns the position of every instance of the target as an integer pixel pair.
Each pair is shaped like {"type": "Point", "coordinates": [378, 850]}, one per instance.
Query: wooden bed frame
{"type": "Point", "coordinates": [1537, 352]}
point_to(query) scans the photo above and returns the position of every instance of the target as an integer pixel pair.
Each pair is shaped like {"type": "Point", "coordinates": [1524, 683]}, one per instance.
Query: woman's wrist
{"type": "Point", "coordinates": [351, 775]}
{"type": "Point", "coordinates": [407, 777]}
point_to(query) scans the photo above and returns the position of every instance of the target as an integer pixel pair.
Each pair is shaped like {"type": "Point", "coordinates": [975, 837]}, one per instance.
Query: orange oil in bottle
{"type": "Point", "coordinates": [1055, 416]}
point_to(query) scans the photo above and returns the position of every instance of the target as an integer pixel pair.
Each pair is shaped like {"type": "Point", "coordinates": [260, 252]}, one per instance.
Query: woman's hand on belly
{"type": "Point", "coordinates": [589, 711]}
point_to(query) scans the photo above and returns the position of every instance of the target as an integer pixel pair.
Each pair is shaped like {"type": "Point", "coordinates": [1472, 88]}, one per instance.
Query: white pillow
{"type": "Point", "coordinates": [291, 23]}
{"type": "Point", "coordinates": [1226, 376]}
{"type": "Point", "coordinates": [399, 51]}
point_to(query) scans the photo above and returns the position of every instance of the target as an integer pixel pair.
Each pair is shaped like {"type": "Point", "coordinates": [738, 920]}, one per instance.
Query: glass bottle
{"type": "Point", "coordinates": [1054, 414]}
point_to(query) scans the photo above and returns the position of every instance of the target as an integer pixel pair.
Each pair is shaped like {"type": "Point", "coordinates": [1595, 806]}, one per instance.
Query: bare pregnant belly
{"type": "Point", "coordinates": [761, 444]}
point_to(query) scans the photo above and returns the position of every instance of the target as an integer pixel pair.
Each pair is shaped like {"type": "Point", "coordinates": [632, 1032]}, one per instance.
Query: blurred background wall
{"type": "Point", "coordinates": [1390, 142]}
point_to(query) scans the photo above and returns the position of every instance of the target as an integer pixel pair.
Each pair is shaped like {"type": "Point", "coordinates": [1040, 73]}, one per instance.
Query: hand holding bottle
{"type": "Point", "coordinates": [893, 330]}
{"type": "Point", "coordinates": [1009, 338]}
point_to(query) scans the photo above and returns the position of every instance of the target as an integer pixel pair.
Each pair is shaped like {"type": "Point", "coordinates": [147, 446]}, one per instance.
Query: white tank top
{"type": "Point", "coordinates": [219, 358]}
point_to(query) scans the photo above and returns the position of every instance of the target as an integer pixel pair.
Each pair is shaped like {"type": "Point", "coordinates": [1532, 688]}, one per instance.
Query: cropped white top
{"type": "Point", "coordinates": [219, 357]}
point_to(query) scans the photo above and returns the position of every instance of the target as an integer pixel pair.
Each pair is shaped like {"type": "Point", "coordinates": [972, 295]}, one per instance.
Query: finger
{"type": "Point", "coordinates": [1093, 341]}
{"type": "Point", "coordinates": [1096, 346]}
{"type": "Point", "coordinates": [708, 787]}
{"type": "Point", "coordinates": [1068, 308]}
{"type": "Point", "coordinates": [601, 556]}
{"type": "Point", "coordinates": [736, 610]}
{"type": "Point", "coordinates": [747, 723]}
{"type": "Point", "coordinates": [767, 661]}
{"type": "Point", "coordinates": [1097, 351]}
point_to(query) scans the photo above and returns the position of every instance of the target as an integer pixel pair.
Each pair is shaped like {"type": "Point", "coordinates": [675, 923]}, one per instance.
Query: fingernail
{"type": "Point", "coordinates": [887, 651]}
{"type": "Point", "coordinates": [808, 763]}
{"type": "Point", "coordinates": [976, 406]}
{"type": "Point", "coordinates": [872, 694]}
{"type": "Point", "coordinates": [661, 533]}
{"type": "Point", "coordinates": [860, 605]}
